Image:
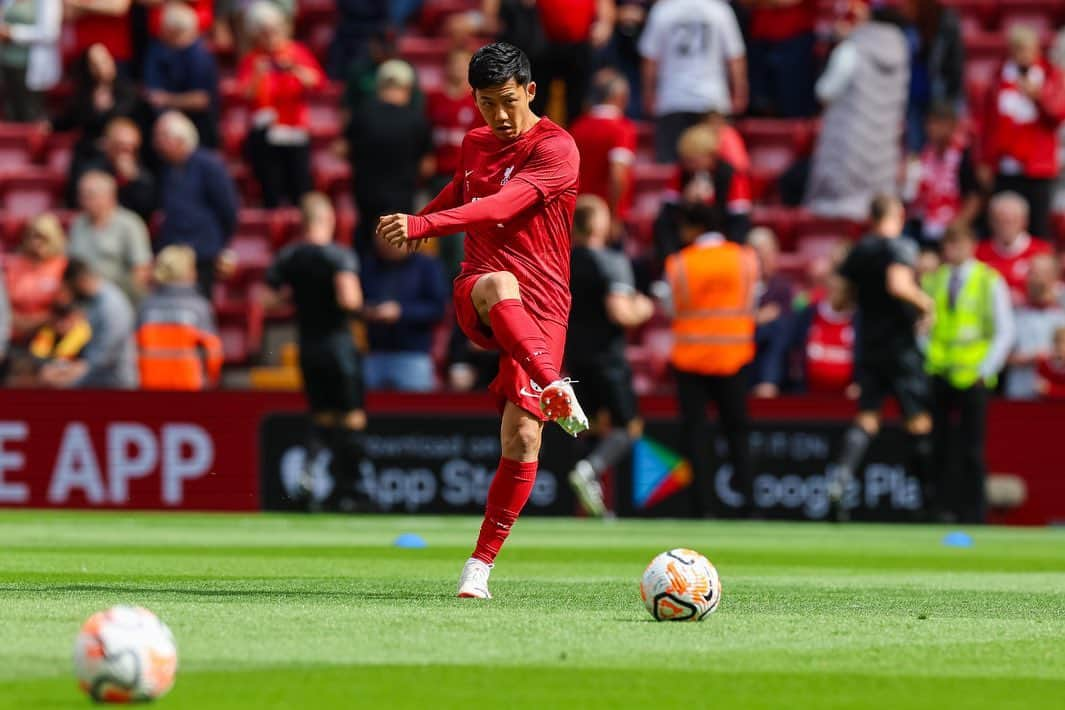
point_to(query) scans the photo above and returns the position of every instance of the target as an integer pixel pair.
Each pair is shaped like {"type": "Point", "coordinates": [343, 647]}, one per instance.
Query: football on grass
{"type": "Point", "coordinates": [680, 585]}
{"type": "Point", "coordinates": [125, 654]}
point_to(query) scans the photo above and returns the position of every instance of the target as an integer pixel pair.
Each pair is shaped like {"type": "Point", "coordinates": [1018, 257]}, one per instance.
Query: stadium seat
{"type": "Point", "coordinates": [20, 144]}
{"type": "Point", "coordinates": [332, 174]}
{"type": "Point", "coordinates": [423, 50]}
{"type": "Point", "coordinates": [59, 150]}
{"type": "Point", "coordinates": [651, 177]}
{"type": "Point", "coordinates": [782, 220]}
{"type": "Point", "coordinates": [30, 190]}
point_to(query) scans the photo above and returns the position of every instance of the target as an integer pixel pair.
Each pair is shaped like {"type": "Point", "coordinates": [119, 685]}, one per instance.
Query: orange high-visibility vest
{"type": "Point", "coordinates": [170, 356]}
{"type": "Point", "coordinates": [713, 283]}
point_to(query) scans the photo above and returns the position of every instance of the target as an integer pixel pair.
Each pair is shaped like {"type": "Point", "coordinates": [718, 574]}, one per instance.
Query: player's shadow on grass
{"type": "Point", "coordinates": [201, 592]}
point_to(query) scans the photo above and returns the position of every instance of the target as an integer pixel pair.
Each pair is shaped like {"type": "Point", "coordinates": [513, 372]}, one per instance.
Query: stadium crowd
{"type": "Point", "coordinates": [154, 154]}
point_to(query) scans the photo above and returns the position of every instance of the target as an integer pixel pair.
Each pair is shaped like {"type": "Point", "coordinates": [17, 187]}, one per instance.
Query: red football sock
{"type": "Point", "coordinates": [507, 495]}
{"type": "Point", "coordinates": [520, 338]}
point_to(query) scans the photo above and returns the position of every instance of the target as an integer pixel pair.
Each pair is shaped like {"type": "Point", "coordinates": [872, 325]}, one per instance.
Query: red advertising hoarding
{"type": "Point", "coordinates": [201, 451]}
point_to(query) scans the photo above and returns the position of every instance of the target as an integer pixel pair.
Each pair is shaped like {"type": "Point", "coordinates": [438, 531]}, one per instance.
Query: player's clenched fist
{"type": "Point", "coordinates": [393, 229]}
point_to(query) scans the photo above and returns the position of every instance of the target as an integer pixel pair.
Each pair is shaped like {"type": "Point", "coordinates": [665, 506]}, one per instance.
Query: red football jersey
{"type": "Point", "coordinates": [1013, 265]}
{"type": "Point", "coordinates": [451, 118]}
{"type": "Point", "coordinates": [830, 351]}
{"type": "Point", "coordinates": [526, 229]}
{"type": "Point", "coordinates": [1052, 371]}
{"type": "Point", "coordinates": [604, 136]}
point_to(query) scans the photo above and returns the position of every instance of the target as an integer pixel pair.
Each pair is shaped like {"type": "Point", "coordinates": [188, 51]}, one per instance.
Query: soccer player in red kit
{"type": "Point", "coordinates": [513, 194]}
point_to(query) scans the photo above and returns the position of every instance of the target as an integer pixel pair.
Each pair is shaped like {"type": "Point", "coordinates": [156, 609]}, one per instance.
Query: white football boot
{"type": "Point", "coordinates": [559, 403]}
{"type": "Point", "coordinates": [473, 582]}
{"type": "Point", "coordinates": [588, 489]}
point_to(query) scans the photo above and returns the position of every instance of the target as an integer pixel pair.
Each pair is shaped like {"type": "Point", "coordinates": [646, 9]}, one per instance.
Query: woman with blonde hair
{"type": "Point", "coordinates": [33, 275]}
{"type": "Point", "coordinates": [178, 344]}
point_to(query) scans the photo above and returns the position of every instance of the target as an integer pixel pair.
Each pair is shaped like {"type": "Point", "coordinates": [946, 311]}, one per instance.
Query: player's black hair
{"type": "Point", "coordinates": [76, 268]}
{"type": "Point", "coordinates": [496, 64]}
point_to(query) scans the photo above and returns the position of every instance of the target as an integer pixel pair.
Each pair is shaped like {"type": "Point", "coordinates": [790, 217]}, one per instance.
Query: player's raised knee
{"type": "Point", "coordinates": [490, 289]}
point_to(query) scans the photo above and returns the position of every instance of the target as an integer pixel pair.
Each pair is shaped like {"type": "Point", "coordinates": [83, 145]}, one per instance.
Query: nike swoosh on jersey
{"type": "Point", "coordinates": [526, 393]}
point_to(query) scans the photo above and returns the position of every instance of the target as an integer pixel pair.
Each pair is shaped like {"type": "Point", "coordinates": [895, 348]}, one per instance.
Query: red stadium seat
{"type": "Point", "coordinates": [20, 144]}
{"type": "Point", "coordinates": [332, 174]}
{"type": "Point", "coordinates": [782, 220]}
{"type": "Point", "coordinates": [29, 191]}
{"type": "Point", "coordinates": [651, 177]}
{"type": "Point", "coordinates": [58, 151]}
{"type": "Point", "coordinates": [423, 50]}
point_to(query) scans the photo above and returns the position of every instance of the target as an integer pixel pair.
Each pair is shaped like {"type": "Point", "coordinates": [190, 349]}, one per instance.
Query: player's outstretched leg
{"type": "Point", "coordinates": [507, 495]}
{"type": "Point", "coordinates": [855, 443]}
{"type": "Point", "coordinates": [498, 301]}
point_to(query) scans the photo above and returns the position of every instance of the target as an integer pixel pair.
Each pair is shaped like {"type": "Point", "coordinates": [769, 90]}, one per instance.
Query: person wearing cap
{"type": "Point", "coordinates": [390, 147]}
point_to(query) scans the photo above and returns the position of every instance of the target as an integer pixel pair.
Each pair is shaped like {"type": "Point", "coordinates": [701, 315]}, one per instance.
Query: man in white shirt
{"type": "Point", "coordinates": [694, 62]}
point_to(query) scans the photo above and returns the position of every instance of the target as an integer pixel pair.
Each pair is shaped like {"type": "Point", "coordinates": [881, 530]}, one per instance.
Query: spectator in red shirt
{"type": "Point", "coordinates": [1011, 248]}
{"type": "Point", "coordinates": [818, 344]}
{"type": "Point", "coordinates": [452, 113]}
{"type": "Point", "coordinates": [606, 140]}
{"type": "Point", "coordinates": [1051, 370]}
{"type": "Point", "coordinates": [1025, 109]}
{"type": "Point", "coordinates": [781, 57]}
{"type": "Point", "coordinates": [276, 77]}
{"type": "Point", "coordinates": [941, 181]}
{"type": "Point", "coordinates": [105, 22]}
{"type": "Point", "coordinates": [570, 30]}
{"type": "Point", "coordinates": [33, 276]}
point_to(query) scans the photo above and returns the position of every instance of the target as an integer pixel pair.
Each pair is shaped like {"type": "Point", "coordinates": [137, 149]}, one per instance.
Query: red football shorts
{"type": "Point", "coordinates": [512, 384]}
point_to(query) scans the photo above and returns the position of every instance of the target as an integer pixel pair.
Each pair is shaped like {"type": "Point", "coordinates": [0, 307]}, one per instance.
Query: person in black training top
{"type": "Point", "coordinates": [605, 304]}
{"type": "Point", "coordinates": [390, 146]}
{"type": "Point", "coordinates": [881, 276]}
{"type": "Point", "coordinates": [321, 280]}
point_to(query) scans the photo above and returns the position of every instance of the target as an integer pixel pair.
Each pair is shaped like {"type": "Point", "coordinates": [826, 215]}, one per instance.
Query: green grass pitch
{"type": "Point", "coordinates": [323, 612]}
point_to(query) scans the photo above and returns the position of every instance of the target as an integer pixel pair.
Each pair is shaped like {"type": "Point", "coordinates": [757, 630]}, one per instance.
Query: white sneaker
{"type": "Point", "coordinates": [588, 489]}
{"type": "Point", "coordinates": [473, 582]}
{"type": "Point", "coordinates": [559, 402]}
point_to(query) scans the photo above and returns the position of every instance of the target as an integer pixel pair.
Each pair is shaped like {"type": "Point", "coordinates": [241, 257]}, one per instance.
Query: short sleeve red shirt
{"type": "Point", "coordinates": [110, 31]}
{"type": "Point", "coordinates": [780, 23]}
{"type": "Point", "coordinates": [604, 136]}
{"type": "Point", "coordinates": [1013, 265]}
{"type": "Point", "coordinates": [567, 21]}
{"type": "Point", "coordinates": [279, 89]}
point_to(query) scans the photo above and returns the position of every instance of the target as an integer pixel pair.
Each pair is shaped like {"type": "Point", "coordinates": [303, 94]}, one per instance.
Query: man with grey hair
{"type": "Point", "coordinates": [1020, 131]}
{"type": "Point", "coordinates": [1011, 248]}
{"type": "Point", "coordinates": [112, 239]}
{"type": "Point", "coordinates": [390, 146]}
{"type": "Point", "coordinates": [180, 72]}
{"type": "Point", "coordinates": [198, 198]}
{"type": "Point", "coordinates": [1037, 319]}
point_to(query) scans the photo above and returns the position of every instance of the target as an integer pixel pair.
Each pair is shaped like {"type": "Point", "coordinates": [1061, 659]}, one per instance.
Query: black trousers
{"type": "Point", "coordinates": [572, 64]}
{"type": "Point", "coordinates": [205, 277]}
{"type": "Point", "coordinates": [1039, 192]}
{"type": "Point", "coordinates": [729, 395]}
{"type": "Point", "coordinates": [959, 427]}
{"type": "Point", "coordinates": [283, 171]}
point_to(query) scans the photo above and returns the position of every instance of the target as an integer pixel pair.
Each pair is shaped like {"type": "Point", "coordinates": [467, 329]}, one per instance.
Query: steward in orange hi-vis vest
{"type": "Point", "coordinates": [178, 348]}
{"type": "Point", "coordinates": [714, 285]}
